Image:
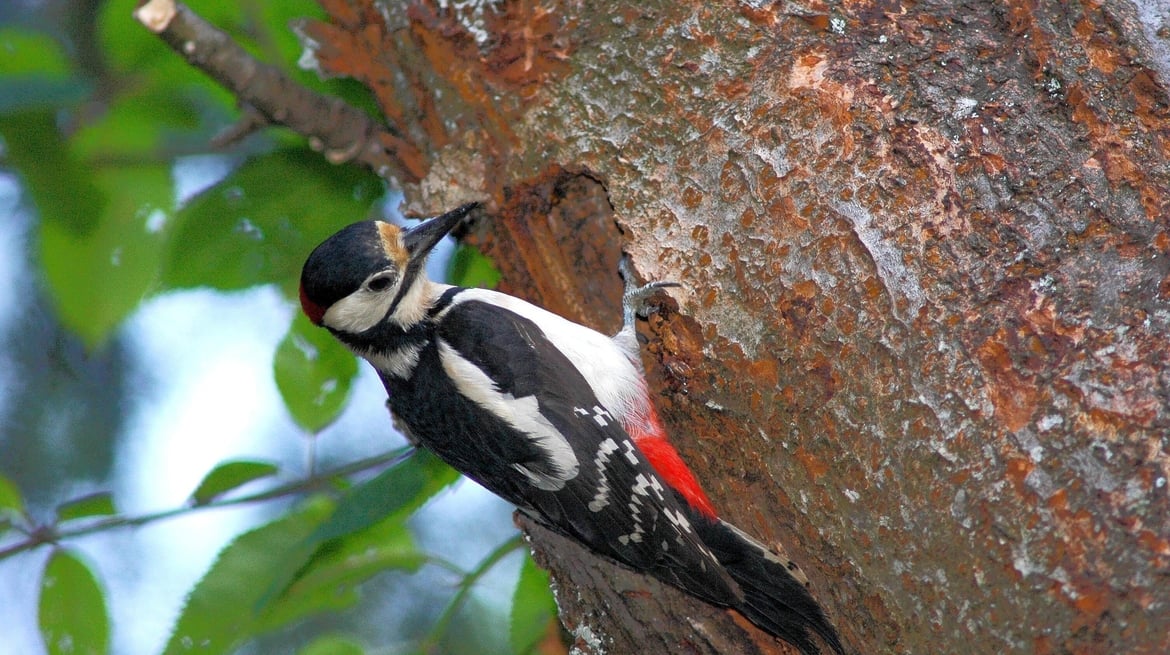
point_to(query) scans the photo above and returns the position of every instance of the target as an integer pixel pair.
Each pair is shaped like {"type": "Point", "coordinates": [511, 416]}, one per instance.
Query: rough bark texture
{"type": "Point", "coordinates": [610, 610]}
{"type": "Point", "coordinates": [923, 340]}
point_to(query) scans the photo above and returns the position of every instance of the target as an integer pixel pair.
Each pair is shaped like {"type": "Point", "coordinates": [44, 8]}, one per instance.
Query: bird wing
{"type": "Point", "coordinates": [583, 473]}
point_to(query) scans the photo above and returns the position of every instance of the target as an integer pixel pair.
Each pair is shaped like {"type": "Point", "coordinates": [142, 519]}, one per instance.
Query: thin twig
{"type": "Point", "coordinates": [44, 534]}
{"type": "Point", "coordinates": [431, 644]}
{"type": "Point", "coordinates": [250, 122]}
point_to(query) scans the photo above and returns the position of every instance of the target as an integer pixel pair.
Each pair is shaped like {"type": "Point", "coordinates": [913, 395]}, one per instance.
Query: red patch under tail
{"type": "Point", "coordinates": [669, 465]}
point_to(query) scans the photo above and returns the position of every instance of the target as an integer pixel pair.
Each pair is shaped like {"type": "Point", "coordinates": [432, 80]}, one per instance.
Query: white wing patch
{"type": "Point", "coordinates": [630, 453]}
{"type": "Point", "coordinates": [598, 413]}
{"type": "Point", "coordinates": [644, 482]}
{"type": "Point", "coordinates": [640, 500]}
{"type": "Point", "coordinates": [601, 498]}
{"type": "Point", "coordinates": [616, 382]}
{"type": "Point", "coordinates": [635, 516]}
{"type": "Point", "coordinates": [521, 413]}
{"type": "Point", "coordinates": [677, 519]}
{"type": "Point", "coordinates": [643, 485]}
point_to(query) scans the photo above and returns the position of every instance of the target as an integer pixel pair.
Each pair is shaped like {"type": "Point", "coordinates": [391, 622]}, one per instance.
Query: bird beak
{"type": "Point", "coordinates": [421, 238]}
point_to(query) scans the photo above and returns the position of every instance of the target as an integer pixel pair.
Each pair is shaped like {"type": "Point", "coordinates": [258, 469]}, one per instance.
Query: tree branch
{"type": "Point", "coordinates": [590, 590]}
{"type": "Point", "coordinates": [43, 534]}
{"type": "Point", "coordinates": [342, 132]}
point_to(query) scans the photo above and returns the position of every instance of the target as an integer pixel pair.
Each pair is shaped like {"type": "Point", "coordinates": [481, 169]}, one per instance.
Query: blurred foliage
{"type": "Point", "coordinates": [95, 113]}
{"type": "Point", "coordinates": [473, 269]}
{"type": "Point", "coordinates": [532, 609]}
{"type": "Point", "coordinates": [229, 476]}
{"type": "Point", "coordinates": [72, 608]}
{"type": "Point", "coordinates": [313, 372]}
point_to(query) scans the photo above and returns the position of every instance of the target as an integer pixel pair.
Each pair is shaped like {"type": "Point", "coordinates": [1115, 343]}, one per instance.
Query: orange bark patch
{"type": "Point", "coordinates": [527, 46]}
{"type": "Point", "coordinates": [766, 371]}
{"type": "Point", "coordinates": [1013, 395]}
{"type": "Point", "coordinates": [1091, 602]}
{"type": "Point", "coordinates": [815, 466]}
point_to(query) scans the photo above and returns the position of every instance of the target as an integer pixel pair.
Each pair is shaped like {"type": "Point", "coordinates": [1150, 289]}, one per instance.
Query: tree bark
{"type": "Point", "coordinates": [923, 335]}
{"type": "Point", "coordinates": [923, 338]}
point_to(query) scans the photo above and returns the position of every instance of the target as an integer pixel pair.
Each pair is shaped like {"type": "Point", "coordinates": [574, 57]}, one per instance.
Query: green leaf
{"type": "Point", "coordinates": [390, 496]}
{"type": "Point", "coordinates": [96, 504]}
{"type": "Point", "coordinates": [397, 491]}
{"type": "Point", "coordinates": [35, 74]}
{"type": "Point", "coordinates": [533, 606]}
{"type": "Point", "coordinates": [228, 476]}
{"type": "Point", "coordinates": [332, 645]}
{"type": "Point", "coordinates": [72, 610]}
{"type": "Point", "coordinates": [330, 577]}
{"type": "Point", "coordinates": [100, 274]}
{"type": "Point", "coordinates": [10, 498]}
{"type": "Point", "coordinates": [219, 614]}
{"type": "Point", "coordinates": [142, 123]}
{"type": "Point", "coordinates": [24, 52]}
{"type": "Point", "coordinates": [258, 225]}
{"type": "Point", "coordinates": [313, 372]}
{"type": "Point", "coordinates": [471, 268]}
{"type": "Point", "coordinates": [35, 148]}
{"type": "Point", "coordinates": [11, 504]}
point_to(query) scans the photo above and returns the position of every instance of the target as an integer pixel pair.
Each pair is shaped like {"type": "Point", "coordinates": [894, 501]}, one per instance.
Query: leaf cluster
{"type": "Point", "coordinates": [310, 560]}
{"type": "Point", "coordinates": [95, 145]}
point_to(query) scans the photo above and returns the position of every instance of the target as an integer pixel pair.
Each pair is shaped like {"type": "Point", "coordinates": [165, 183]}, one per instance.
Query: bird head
{"type": "Point", "coordinates": [371, 272]}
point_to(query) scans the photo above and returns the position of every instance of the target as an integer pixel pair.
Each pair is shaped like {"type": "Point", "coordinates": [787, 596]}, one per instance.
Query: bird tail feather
{"type": "Point", "coordinates": [776, 597]}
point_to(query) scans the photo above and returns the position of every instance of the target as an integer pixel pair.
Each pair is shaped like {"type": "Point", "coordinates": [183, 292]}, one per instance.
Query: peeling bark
{"type": "Point", "coordinates": [924, 332]}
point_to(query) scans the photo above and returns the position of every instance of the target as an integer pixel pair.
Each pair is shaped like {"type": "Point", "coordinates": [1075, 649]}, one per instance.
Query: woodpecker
{"type": "Point", "coordinates": [550, 415]}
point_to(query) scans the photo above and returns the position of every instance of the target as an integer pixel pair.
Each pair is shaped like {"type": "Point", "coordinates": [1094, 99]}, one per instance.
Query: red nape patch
{"type": "Point", "coordinates": [314, 311]}
{"type": "Point", "coordinates": [673, 470]}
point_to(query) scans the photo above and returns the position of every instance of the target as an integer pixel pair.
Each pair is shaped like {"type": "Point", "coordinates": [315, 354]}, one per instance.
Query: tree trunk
{"type": "Point", "coordinates": [922, 340]}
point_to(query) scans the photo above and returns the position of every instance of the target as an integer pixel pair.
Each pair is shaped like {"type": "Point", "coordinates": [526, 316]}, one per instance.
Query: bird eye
{"type": "Point", "coordinates": [379, 284]}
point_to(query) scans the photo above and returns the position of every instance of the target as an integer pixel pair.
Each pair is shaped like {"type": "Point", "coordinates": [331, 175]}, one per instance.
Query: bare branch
{"type": "Point", "coordinates": [51, 533]}
{"type": "Point", "coordinates": [342, 132]}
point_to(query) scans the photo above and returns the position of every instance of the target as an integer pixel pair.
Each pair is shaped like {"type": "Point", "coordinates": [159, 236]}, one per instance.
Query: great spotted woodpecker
{"type": "Point", "coordinates": [550, 415]}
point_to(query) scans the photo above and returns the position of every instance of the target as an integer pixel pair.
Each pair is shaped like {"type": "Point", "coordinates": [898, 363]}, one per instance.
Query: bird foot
{"type": "Point", "coordinates": [634, 298]}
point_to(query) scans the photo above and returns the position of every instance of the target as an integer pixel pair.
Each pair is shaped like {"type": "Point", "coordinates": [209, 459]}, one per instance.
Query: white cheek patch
{"type": "Point", "coordinates": [360, 310]}
{"type": "Point", "coordinates": [413, 306]}
{"type": "Point", "coordinates": [523, 414]}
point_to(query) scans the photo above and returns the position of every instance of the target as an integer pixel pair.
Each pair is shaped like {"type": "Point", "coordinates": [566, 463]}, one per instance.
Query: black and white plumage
{"type": "Point", "coordinates": [548, 414]}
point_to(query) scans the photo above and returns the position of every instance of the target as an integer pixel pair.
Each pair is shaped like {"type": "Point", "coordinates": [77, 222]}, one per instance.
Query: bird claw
{"type": "Point", "coordinates": [634, 297]}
